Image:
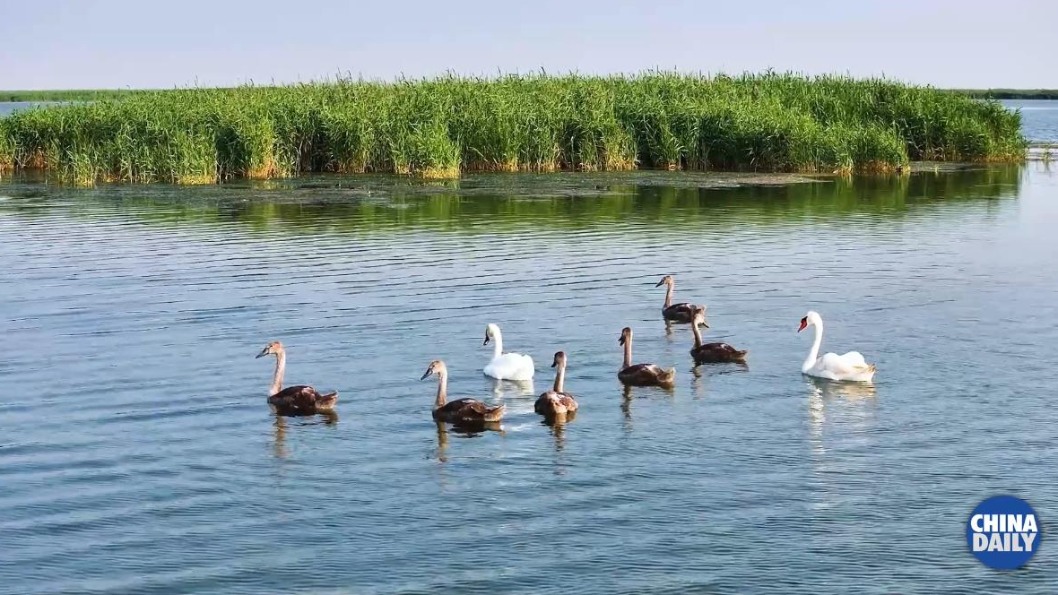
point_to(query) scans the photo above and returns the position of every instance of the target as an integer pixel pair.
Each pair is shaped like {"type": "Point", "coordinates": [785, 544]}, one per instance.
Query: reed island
{"type": "Point", "coordinates": [442, 127]}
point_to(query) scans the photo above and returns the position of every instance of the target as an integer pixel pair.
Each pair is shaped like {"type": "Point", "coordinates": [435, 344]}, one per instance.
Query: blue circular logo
{"type": "Point", "coordinates": [1003, 532]}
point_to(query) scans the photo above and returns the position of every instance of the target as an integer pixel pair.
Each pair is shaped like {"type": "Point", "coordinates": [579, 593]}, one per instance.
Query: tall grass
{"type": "Point", "coordinates": [441, 127]}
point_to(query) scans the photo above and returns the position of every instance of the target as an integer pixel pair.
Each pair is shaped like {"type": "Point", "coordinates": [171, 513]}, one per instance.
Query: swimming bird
{"type": "Point", "coordinates": [505, 366]}
{"type": "Point", "coordinates": [682, 312]}
{"type": "Point", "coordinates": [460, 411]}
{"type": "Point", "coordinates": [850, 366]}
{"type": "Point", "coordinates": [556, 401]}
{"type": "Point", "coordinates": [642, 374]}
{"type": "Point", "coordinates": [294, 400]}
{"type": "Point", "coordinates": [709, 353]}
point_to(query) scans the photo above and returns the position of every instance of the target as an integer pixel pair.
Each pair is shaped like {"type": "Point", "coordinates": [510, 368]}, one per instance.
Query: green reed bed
{"type": "Point", "coordinates": [441, 127]}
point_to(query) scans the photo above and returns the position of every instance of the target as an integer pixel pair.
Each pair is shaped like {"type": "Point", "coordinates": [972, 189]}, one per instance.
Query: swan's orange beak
{"type": "Point", "coordinates": [804, 323]}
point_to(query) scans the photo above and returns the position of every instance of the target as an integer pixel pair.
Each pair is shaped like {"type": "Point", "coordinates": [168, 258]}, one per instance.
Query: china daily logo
{"type": "Point", "coordinates": [1003, 532]}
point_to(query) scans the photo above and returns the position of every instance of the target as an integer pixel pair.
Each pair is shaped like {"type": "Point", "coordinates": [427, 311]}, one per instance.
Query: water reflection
{"type": "Point", "coordinates": [626, 407]}
{"type": "Point", "coordinates": [279, 444]}
{"type": "Point", "coordinates": [463, 430]}
{"type": "Point", "coordinates": [724, 367]}
{"type": "Point", "coordinates": [558, 432]}
{"type": "Point", "coordinates": [488, 204]}
{"type": "Point", "coordinates": [700, 372]}
{"type": "Point", "coordinates": [832, 389]}
{"type": "Point", "coordinates": [669, 334]}
{"type": "Point", "coordinates": [442, 442]}
{"type": "Point", "coordinates": [557, 425]}
{"type": "Point", "coordinates": [696, 382]}
{"type": "Point", "coordinates": [822, 392]}
{"type": "Point", "coordinates": [511, 388]}
{"type": "Point", "coordinates": [280, 423]}
{"type": "Point", "coordinates": [557, 422]}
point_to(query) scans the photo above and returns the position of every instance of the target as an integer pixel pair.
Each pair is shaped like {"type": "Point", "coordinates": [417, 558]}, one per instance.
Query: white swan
{"type": "Point", "coordinates": [506, 366]}
{"type": "Point", "coordinates": [850, 366]}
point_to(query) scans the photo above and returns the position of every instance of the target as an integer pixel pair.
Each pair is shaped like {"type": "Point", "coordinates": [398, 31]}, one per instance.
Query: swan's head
{"type": "Point", "coordinates": [560, 359]}
{"type": "Point", "coordinates": [273, 348]}
{"type": "Point", "coordinates": [666, 280]}
{"type": "Point", "coordinates": [436, 367]}
{"type": "Point", "coordinates": [626, 335]}
{"type": "Point", "coordinates": [699, 316]}
{"type": "Point", "coordinates": [810, 319]}
{"type": "Point", "coordinates": [491, 332]}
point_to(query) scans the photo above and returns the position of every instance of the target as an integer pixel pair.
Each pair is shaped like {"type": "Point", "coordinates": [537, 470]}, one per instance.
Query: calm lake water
{"type": "Point", "coordinates": [137, 453]}
{"type": "Point", "coordinates": [1039, 119]}
{"type": "Point", "coordinates": [10, 107]}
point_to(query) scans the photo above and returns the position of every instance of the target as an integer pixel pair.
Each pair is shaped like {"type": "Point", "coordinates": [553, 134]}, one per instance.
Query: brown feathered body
{"type": "Point", "coordinates": [552, 403]}
{"type": "Point", "coordinates": [678, 312]}
{"type": "Point", "coordinates": [647, 375]}
{"type": "Point", "coordinates": [302, 400]}
{"type": "Point", "coordinates": [713, 353]}
{"type": "Point", "coordinates": [467, 411]}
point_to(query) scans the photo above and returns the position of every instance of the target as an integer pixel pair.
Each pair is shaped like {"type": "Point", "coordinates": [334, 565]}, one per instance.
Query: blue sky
{"type": "Point", "coordinates": [123, 43]}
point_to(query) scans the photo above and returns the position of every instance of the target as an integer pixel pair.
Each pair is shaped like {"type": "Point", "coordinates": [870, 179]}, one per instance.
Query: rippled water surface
{"type": "Point", "coordinates": [1039, 119]}
{"type": "Point", "coordinates": [137, 453]}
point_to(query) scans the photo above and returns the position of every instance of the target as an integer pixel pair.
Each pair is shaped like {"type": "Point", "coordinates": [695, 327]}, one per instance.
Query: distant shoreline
{"type": "Point", "coordinates": [1009, 93]}
{"type": "Point", "coordinates": [29, 95]}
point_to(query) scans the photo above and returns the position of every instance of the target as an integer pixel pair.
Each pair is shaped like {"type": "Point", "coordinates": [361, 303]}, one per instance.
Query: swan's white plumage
{"type": "Point", "coordinates": [506, 366]}
{"type": "Point", "coordinates": [849, 366]}
{"type": "Point", "coordinates": [510, 366]}
{"type": "Point", "coordinates": [831, 366]}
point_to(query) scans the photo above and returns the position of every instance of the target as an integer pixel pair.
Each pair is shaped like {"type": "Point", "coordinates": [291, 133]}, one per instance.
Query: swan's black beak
{"type": "Point", "coordinates": [486, 339]}
{"type": "Point", "coordinates": [554, 363]}
{"type": "Point", "coordinates": [621, 341]}
{"type": "Point", "coordinates": [660, 283]}
{"type": "Point", "coordinates": [427, 374]}
{"type": "Point", "coordinates": [263, 353]}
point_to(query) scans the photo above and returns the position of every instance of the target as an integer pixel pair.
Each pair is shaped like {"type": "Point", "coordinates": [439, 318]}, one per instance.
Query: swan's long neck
{"type": "Point", "coordinates": [497, 343]}
{"type": "Point", "coordinates": [813, 355]}
{"type": "Point", "coordinates": [442, 390]}
{"type": "Point", "coordinates": [697, 334]}
{"type": "Point", "coordinates": [560, 377]}
{"type": "Point", "coordinates": [668, 294]}
{"type": "Point", "coordinates": [281, 367]}
{"type": "Point", "coordinates": [628, 352]}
